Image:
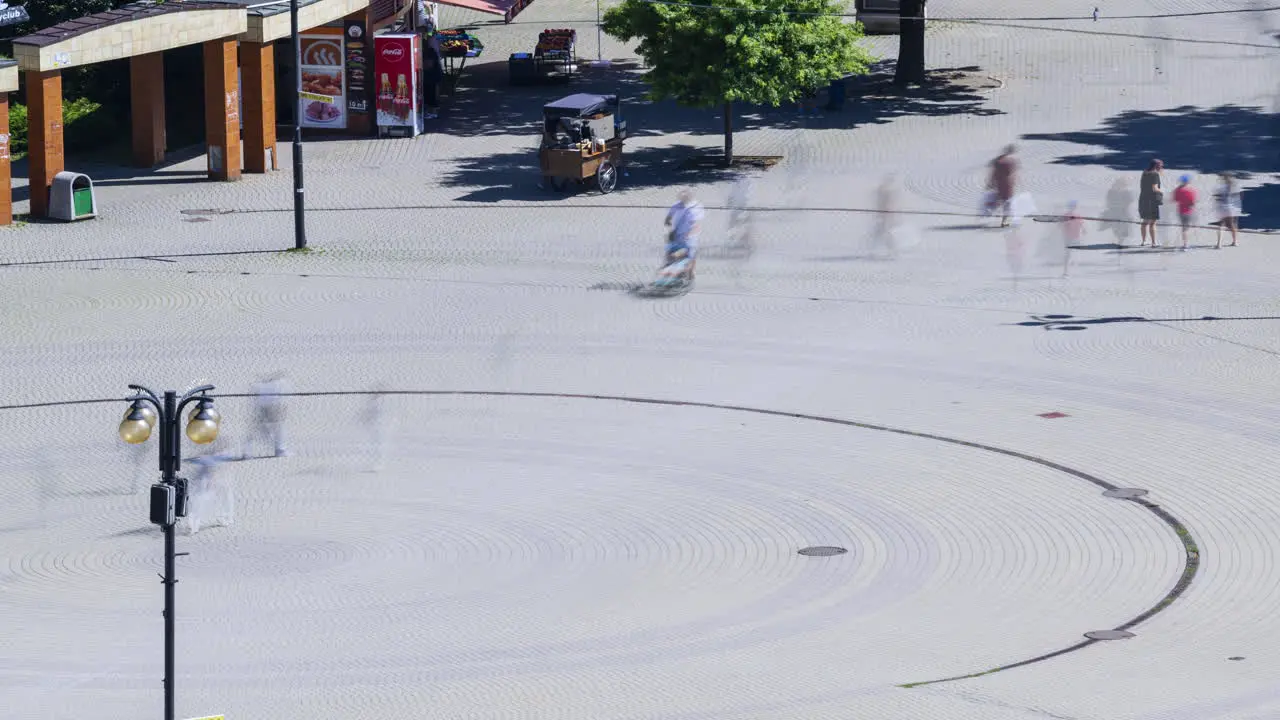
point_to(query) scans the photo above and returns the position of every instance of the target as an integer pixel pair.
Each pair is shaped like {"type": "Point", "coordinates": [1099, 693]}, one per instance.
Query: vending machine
{"type": "Point", "coordinates": [397, 67]}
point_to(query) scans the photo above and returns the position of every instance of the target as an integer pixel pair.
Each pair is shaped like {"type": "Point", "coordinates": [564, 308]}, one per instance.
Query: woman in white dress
{"type": "Point", "coordinates": [1227, 199]}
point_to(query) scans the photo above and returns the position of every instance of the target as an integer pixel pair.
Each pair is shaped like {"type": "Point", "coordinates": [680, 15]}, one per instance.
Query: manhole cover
{"type": "Point", "coordinates": [1125, 493]}
{"type": "Point", "coordinates": [204, 211]}
{"type": "Point", "coordinates": [196, 219]}
{"type": "Point", "coordinates": [1048, 218]}
{"type": "Point", "coordinates": [1108, 634]}
{"type": "Point", "coordinates": [823, 551]}
{"type": "Point", "coordinates": [1235, 657]}
{"type": "Point", "coordinates": [1072, 327]}
{"type": "Point", "coordinates": [1052, 415]}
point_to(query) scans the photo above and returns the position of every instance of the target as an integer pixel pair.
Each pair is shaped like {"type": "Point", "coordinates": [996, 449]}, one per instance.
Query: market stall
{"type": "Point", "coordinates": [582, 137]}
{"type": "Point", "coordinates": [456, 48]}
{"type": "Point", "coordinates": [554, 59]}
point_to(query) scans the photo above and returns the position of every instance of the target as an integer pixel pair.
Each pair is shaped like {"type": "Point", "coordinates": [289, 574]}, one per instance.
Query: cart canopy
{"type": "Point", "coordinates": [581, 105]}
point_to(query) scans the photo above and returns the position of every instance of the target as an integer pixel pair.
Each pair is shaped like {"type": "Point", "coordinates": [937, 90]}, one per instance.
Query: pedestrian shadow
{"type": "Point", "coordinates": [967, 226]}
{"type": "Point", "coordinates": [1075, 323]}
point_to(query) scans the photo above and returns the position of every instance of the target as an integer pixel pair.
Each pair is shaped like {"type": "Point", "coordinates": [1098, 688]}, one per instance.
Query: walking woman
{"type": "Point", "coordinates": [1227, 198]}
{"type": "Point", "coordinates": [1150, 197]}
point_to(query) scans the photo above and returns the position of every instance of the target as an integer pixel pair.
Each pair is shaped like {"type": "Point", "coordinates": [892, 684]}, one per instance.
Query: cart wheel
{"type": "Point", "coordinates": [607, 177]}
{"type": "Point", "coordinates": [560, 183]}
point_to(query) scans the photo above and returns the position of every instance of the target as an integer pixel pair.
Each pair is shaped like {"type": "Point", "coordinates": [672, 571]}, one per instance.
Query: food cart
{"type": "Point", "coordinates": [582, 139]}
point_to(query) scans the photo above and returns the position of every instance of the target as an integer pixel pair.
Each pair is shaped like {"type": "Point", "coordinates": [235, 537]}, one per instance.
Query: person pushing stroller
{"type": "Point", "coordinates": [684, 223]}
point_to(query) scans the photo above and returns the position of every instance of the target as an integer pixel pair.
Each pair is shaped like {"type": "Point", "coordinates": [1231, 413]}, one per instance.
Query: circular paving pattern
{"type": "Point", "coordinates": [562, 548]}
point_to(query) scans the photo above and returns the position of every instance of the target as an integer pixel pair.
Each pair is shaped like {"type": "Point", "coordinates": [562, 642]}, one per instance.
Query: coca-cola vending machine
{"type": "Point", "coordinates": [397, 67]}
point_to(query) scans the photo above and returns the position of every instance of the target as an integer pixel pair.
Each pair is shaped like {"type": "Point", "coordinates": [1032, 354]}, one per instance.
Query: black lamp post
{"type": "Point", "coordinates": [169, 496]}
{"type": "Point", "coordinates": [299, 195]}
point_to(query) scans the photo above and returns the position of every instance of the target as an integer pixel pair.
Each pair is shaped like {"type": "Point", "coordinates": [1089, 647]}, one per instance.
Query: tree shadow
{"type": "Point", "coordinates": [486, 104]}
{"type": "Point", "coordinates": [1243, 139]}
{"type": "Point", "coordinates": [516, 175]}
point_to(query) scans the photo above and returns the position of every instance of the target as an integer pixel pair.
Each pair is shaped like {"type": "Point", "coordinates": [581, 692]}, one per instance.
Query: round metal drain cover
{"type": "Point", "coordinates": [823, 551]}
{"type": "Point", "coordinates": [1235, 657]}
{"type": "Point", "coordinates": [1108, 634]}
{"type": "Point", "coordinates": [1125, 493]}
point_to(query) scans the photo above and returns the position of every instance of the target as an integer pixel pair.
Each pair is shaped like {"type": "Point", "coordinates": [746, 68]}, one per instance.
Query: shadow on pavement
{"type": "Point", "coordinates": [516, 175]}
{"type": "Point", "coordinates": [111, 168]}
{"type": "Point", "coordinates": [485, 104]}
{"type": "Point", "coordinates": [1244, 139]}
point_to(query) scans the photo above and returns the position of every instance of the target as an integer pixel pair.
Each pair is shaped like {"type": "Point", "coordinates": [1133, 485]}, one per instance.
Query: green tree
{"type": "Point", "coordinates": [718, 52]}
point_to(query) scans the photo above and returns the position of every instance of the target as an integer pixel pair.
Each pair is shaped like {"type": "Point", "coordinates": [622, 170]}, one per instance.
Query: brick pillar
{"type": "Point", "coordinates": [222, 109]}
{"type": "Point", "coordinates": [44, 136]}
{"type": "Point", "coordinates": [6, 171]}
{"type": "Point", "coordinates": [258, 76]}
{"type": "Point", "coordinates": [146, 95]}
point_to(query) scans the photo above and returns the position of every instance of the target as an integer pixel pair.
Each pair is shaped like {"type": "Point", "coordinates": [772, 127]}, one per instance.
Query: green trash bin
{"type": "Point", "coordinates": [82, 202]}
{"type": "Point", "coordinates": [71, 197]}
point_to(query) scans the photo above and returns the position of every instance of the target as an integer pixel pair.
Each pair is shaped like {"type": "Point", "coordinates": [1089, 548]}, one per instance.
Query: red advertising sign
{"type": "Point", "coordinates": [395, 68]}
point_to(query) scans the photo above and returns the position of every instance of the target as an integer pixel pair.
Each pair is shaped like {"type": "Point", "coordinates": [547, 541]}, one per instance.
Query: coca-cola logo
{"type": "Point", "coordinates": [393, 52]}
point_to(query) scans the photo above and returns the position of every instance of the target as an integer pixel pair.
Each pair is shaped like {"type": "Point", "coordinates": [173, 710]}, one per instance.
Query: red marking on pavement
{"type": "Point", "coordinates": [1052, 415]}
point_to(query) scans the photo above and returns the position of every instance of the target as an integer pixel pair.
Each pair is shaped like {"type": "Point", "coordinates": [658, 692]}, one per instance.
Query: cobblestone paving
{"type": "Point", "coordinates": [537, 555]}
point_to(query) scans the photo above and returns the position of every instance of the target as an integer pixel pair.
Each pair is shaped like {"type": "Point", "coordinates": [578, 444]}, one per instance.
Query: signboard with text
{"type": "Point", "coordinates": [12, 14]}
{"type": "Point", "coordinates": [359, 67]}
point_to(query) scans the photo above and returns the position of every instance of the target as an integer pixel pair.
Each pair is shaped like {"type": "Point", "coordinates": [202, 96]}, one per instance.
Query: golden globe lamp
{"type": "Point", "coordinates": [135, 429]}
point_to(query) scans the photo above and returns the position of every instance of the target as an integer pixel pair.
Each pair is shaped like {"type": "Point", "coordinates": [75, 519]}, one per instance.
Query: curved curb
{"type": "Point", "coordinates": [1191, 549]}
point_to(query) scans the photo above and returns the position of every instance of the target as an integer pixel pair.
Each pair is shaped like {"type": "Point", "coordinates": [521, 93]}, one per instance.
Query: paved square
{"type": "Point", "coordinates": [593, 504]}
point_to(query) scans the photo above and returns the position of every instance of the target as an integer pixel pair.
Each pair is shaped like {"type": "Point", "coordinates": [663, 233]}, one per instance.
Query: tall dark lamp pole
{"type": "Point", "coordinates": [169, 496]}
{"type": "Point", "coordinates": [299, 195]}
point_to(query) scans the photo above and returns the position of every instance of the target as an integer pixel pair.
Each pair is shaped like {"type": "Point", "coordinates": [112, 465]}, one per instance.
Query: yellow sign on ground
{"type": "Point", "coordinates": [209, 717]}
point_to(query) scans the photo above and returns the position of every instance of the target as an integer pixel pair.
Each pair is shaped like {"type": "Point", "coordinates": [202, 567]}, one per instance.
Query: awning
{"type": "Point", "coordinates": [508, 9]}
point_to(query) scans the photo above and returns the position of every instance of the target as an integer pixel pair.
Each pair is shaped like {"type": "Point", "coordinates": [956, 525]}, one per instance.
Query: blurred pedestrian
{"type": "Point", "coordinates": [1072, 231]}
{"type": "Point", "coordinates": [886, 214]}
{"type": "Point", "coordinates": [1227, 199]}
{"type": "Point", "coordinates": [432, 75]}
{"type": "Point", "coordinates": [740, 229]}
{"type": "Point", "coordinates": [1116, 216]}
{"type": "Point", "coordinates": [1150, 198]}
{"type": "Point", "coordinates": [1002, 181]}
{"type": "Point", "coordinates": [377, 421]}
{"type": "Point", "coordinates": [268, 416]}
{"type": "Point", "coordinates": [1185, 197]}
{"type": "Point", "coordinates": [210, 498]}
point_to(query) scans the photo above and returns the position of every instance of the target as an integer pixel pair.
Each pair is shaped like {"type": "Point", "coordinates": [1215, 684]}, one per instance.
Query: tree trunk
{"type": "Point", "coordinates": [728, 134]}
{"type": "Point", "coordinates": [910, 69]}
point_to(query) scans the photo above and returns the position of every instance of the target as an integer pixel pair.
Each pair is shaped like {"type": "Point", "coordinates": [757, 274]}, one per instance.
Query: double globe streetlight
{"type": "Point", "coordinates": [147, 413]}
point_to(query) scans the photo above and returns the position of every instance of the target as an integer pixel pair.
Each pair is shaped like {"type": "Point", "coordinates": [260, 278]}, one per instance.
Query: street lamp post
{"type": "Point", "coordinates": [299, 195]}
{"type": "Point", "coordinates": [147, 412]}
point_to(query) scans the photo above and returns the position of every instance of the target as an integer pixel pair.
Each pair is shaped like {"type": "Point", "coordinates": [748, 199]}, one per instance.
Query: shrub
{"type": "Point", "coordinates": [86, 125]}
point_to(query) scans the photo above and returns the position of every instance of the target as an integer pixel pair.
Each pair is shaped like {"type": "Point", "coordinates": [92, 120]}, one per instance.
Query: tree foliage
{"type": "Point", "coordinates": [764, 52]}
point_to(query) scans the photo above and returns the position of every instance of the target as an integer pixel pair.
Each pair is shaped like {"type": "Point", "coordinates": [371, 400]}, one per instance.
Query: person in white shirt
{"type": "Point", "coordinates": [685, 222]}
{"type": "Point", "coordinates": [1227, 198]}
{"type": "Point", "coordinates": [268, 415]}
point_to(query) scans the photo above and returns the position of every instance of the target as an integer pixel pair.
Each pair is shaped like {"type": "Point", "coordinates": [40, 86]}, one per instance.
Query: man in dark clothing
{"type": "Point", "coordinates": [1004, 171]}
{"type": "Point", "coordinates": [432, 74]}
